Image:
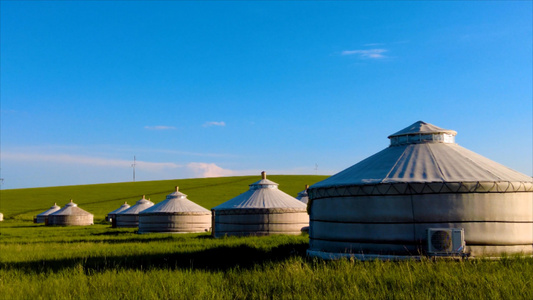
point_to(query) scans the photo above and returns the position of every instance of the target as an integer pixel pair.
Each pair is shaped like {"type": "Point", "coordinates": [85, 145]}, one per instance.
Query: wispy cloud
{"type": "Point", "coordinates": [85, 160]}
{"type": "Point", "coordinates": [160, 127]}
{"type": "Point", "coordinates": [366, 54]}
{"type": "Point", "coordinates": [373, 44]}
{"type": "Point", "coordinates": [209, 124]}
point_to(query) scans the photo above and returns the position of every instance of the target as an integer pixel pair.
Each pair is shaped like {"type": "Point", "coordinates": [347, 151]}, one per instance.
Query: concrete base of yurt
{"type": "Point", "coordinates": [259, 222]}
{"type": "Point", "coordinates": [175, 223]}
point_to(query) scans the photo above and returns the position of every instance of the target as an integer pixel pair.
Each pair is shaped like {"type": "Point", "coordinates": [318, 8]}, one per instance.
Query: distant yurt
{"type": "Point", "coordinates": [70, 215]}
{"type": "Point", "coordinates": [424, 194]}
{"type": "Point", "coordinates": [1, 217]}
{"type": "Point", "coordinates": [42, 217]}
{"type": "Point", "coordinates": [111, 217]}
{"type": "Point", "coordinates": [130, 217]}
{"type": "Point", "coordinates": [176, 214]}
{"type": "Point", "coordinates": [262, 210]}
{"type": "Point", "coordinates": [303, 196]}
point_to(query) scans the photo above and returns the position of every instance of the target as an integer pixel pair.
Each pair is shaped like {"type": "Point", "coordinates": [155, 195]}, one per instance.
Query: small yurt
{"type": "Point", "coordinates": [111, 217]}
{"type": "Point", "coordinates": [303, 195]}
{"type": "Point", "coordinates": [1, 217]}
{"type": "Point", "coordinates": [176, 214]}
{"type": "Point", "coordinates": [70, 215]}
{"type": "Point", "coordinates": [424, 194]}
{"type": "Point", "coordinates": [41, 218]}
{"type": "Point", "coordinates": [262, 210]}
{"type": "Point", "coordinates": [130, 217]}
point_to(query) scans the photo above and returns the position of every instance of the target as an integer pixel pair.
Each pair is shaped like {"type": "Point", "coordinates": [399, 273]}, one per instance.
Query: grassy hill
{"type": "Point", "coordinates": [99, 199]}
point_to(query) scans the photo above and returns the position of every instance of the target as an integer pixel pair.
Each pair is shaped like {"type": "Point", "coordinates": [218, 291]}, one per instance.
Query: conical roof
{"type": "Point", "coordinates": [424, 153]}
{"type": "Point", "coordinates": [70, 209]}
{"type": "Point", "coordinates": [262, 194]}
{"type": "Point", "coordinates": [51, 210]}
{"type": "Point", "coordinates": [422, 127]}
{"type": "Point", "coordinates": [176, 202]}
{"type": "Point", "coordinates": [123, 207]}
{"type": "Point", "coordinates": [139, 206]}
{"type": "Point", "coordinates": [303, 196]}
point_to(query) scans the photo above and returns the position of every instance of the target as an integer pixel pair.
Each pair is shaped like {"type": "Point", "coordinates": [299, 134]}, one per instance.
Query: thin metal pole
{"type": "Point", "coordinates": [133, 165]}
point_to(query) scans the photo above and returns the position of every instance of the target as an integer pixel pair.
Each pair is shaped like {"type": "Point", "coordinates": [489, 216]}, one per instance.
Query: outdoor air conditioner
{"type": "Point", "coordinates": [446, 241]}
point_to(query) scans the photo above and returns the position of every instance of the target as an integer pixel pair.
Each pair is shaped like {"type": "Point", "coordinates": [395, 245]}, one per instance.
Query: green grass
{"type": "Point", "coordinates": [99, 199]}
{"type": "Point", "coordinates": [99, 262]}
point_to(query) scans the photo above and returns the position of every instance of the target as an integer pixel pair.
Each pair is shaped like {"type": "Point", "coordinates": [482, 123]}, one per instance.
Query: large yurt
{"type": "Point", "coordinates": [70, 215]}
{"type": "Point", "coordinates": [130, 217]}
{"type": "Point", "coordinates": [262, 210]}
{"type": "Point", "coordinates": [111, 217]}
{"type": "Point", "coordinates": [42, 217]}
{"type": "Point", "coordinates": [424, 194]}
{"type": "Point", "coordinates": [303, 196]}
{"type": "Point", "coordinates": [176, 214]}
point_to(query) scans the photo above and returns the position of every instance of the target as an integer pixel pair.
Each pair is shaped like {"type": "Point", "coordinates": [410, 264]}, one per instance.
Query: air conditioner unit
{"type": "Point", "coordinates": [446, 241]}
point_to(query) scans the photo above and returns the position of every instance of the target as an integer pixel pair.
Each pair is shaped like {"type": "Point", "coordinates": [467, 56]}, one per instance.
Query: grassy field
{"type": "Point", "coordinates": [99, 262]}
{"type": "Point", "coordinates": [99, 199]}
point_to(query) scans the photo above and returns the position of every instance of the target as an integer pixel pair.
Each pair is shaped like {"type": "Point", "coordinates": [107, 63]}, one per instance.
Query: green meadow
{"type": "Point", "coordinates": [99, 262]}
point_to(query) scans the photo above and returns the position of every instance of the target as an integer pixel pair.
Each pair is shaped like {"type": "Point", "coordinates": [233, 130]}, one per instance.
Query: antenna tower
{"type": "Point", "coordinates": [316, 169]}
{"type": "Point", "coordinates": [133, 166]}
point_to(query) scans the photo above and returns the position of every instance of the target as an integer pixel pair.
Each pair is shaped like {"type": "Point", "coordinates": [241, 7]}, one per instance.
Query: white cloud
{"type": "Point", "coordinates": [200, 169]}
{"type": "Point", "coordinates": [85, 160]}
{"type": "Point", "coordinates": [364, 54]}
{"type": "Point", "coordinates": [209, 124]}
{"type": "Point", "coordinates": [159, 127]}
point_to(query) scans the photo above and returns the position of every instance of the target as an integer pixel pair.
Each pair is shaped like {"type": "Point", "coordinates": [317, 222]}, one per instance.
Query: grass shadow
{"type": "Point", "coordinates": [219, 258]}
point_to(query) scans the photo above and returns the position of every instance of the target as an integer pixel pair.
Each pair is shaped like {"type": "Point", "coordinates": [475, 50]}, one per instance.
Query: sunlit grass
{"type": "Point", "coordinates": [98, 262]}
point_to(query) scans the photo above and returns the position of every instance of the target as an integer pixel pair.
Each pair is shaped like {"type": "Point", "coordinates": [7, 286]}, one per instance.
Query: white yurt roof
{"type": "Point", "coordinates": [51, 210]}
{"type": "Point", "coordinates": [303, 196]}
{"type": "Point", "coordinates": [123, 207]}
{"type": "Point", "coordinates": [139, 206]}
{"type": "Point", "coordinates": [176, 202]}
{"type": "Point", "coordinates": [424, 153]}
{"type": "Point", "coordinates": [262, 194]}
{"type": "Point", "coordinates": [71, 209]}
{"type": "Point", "coordinates": [421, 127]}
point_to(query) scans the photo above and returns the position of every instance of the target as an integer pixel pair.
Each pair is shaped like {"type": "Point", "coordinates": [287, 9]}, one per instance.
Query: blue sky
{"type": "Point", "coordinates": [197, 89]}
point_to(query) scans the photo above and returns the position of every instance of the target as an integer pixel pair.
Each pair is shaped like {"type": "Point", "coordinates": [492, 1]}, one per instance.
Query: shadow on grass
{"type": "Point", "coordinates": [99, 241]}
{"type": "Point", "coordinates": [215, 259]}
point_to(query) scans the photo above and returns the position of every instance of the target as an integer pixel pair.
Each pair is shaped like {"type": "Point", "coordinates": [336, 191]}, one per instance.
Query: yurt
{"type": "Point", "coordinates": [70, 215]}
{"type": "Point", "coordinates": [303, 196]}
{"type": "Point", "coordinates": [41, 218]}
{"type": "Point", "coordinates": [111, 217]}
{"type": "Point", "coordinates": [262, 210]}
{"type": "Point", "coordinates": [130, 217]}
{"type": "Point", "coordinates": [424, 194]}
{"type": "Point", "coordinates": [176, 214]}
{"type": "Point", "coordinates": [1, 217]}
